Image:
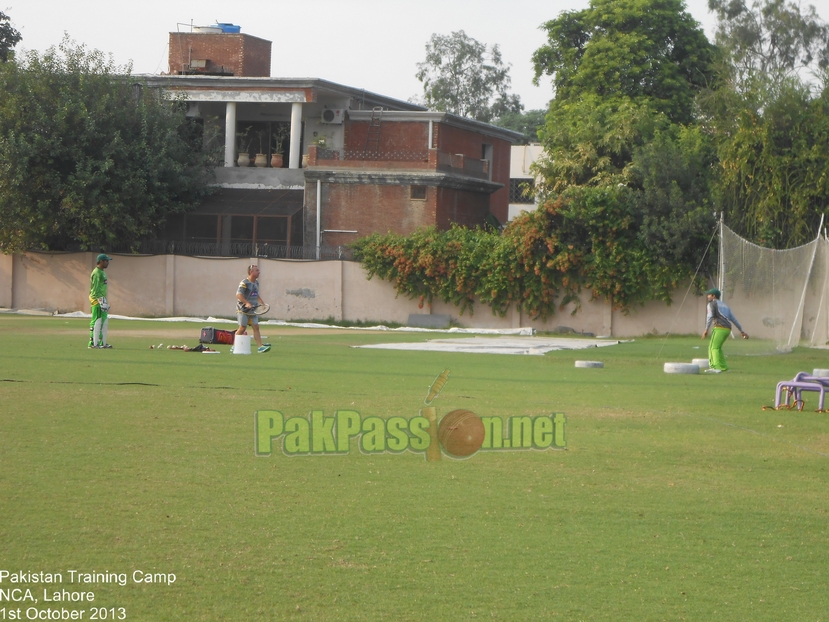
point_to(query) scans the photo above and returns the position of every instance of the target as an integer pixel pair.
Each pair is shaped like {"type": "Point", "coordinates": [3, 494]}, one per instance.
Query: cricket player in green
{"type": "Point", "coordinates": [99, 305]}
{"type": "Point", "coordinates": [719, 320]}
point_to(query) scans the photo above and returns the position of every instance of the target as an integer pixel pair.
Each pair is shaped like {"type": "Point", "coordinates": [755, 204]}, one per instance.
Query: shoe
{"type": "Point", "coordinates": [266, 344]}
{"type": "Point", "coordinates": [231, 349]}
{"type": "Point", "coordinates": [106, 346]}
{"type": "Point", "coordinates": [94, 347]}
{"type": "Point", "coordinates": [711, 370]}
{"type": "Point", "coordinates": [264, 348]}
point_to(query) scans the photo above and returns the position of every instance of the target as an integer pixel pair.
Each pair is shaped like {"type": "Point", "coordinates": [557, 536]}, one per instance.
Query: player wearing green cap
{"type": "Point", "coordinates": [99, 305]}
{"type": "Point", "coordinates": [721, 318]}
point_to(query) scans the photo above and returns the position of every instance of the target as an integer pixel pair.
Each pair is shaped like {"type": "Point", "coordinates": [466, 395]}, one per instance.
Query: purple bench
{"type": "Point", "coordinates": [795, 387]}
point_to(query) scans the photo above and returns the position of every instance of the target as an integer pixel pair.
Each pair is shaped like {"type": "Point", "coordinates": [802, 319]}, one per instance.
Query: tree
{"type": "Point", "coordinates": [769, 122]}
{"type": "Point", "coordinates": [465, 77]}
{"type": "Point", "coordinates": [590, 141]}
{"type": "Point", "coordinates": [9, 37]}
{"type": "Point", "coordinates": [527, 123]}
{"type": "Point", "coordinates": [673, 176]}
{"type": "Point", "coordinates": [771, 41]}
{"type": "Point", "coordinates": [621, 70]}
{"type": "Point", "coordinates": [88, 157]}
{"type": "Point", "coordinates": [773, 173]}
{"type": "Point", "coordinates": [647, 51]}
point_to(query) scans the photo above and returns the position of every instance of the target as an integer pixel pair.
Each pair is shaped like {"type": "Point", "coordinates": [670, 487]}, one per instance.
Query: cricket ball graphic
{"type": "Point", "coordinates": [461, 433]}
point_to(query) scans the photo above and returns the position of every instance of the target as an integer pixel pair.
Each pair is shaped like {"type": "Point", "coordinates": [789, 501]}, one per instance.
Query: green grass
{"type": "Point", "coordinates": [677, 498]}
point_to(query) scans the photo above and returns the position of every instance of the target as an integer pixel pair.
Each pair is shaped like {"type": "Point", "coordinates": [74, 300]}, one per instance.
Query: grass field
{"type": "Point", "coordinates": [677, 498]}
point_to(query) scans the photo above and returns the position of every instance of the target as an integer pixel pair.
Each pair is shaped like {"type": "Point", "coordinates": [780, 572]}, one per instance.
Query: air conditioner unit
{"type": "Point", "coordinates": [332, 116]}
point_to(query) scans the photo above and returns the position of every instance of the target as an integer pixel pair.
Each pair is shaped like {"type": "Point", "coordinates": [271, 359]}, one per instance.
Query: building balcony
{"type": "Point", "coordinates": [253, 178]}
{"type": "Point", "coordinates": [398, 160]}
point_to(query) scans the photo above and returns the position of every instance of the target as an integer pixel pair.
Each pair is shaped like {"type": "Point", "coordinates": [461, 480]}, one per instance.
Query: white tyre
{"type": "Point", "coordinates": [821, 373]}
{"type": "Point", "coordinates": [681, 368]}
{"type": "Point", "coordinates": [701, 363]}
{"type": "Point", "coordinates": [590, 364]}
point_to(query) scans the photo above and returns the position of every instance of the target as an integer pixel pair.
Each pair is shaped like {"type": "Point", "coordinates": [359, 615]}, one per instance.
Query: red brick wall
{"type": "Point", "coordinates": [456, 140]}
{"type": "Point", "coordinates": [388, 208]}
{"type": "Point", "coordinates": [462, 207]}
{"type": "Point", "coordinates": [241, 54]}
{"type": "Point", "coordinates": [371, 209]}
{"type": "Point", "coordinates": [397, 136]}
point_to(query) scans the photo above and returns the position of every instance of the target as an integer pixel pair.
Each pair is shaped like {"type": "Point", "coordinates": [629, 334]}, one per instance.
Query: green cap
{"type": "Point", "coordinates": [103, 257]}
{"type": "Point", "coordinates": [714, 291]}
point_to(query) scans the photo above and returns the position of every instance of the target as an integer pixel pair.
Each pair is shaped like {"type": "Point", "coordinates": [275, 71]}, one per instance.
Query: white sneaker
{"type": "Point", "coordinates": [711, 370]}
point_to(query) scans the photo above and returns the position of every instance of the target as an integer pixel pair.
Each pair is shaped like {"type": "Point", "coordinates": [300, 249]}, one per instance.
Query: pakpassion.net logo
{"type": "Point", "coordinates": [458, 434]}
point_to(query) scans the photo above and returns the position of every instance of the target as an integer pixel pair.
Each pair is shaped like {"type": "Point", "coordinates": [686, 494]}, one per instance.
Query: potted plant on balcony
{"type": "Point", "coordinates": [243, 138]}
{"type": "Point", "coordinates": [278, 138]}
{"type": "Point", "coordinates": [261, 156]}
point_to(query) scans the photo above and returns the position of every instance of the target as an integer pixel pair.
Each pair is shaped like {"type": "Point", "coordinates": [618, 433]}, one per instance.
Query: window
{"type": "Point", "coordinates": [418, 193]}
{"type": "Point", "coordinates": [521, 191]}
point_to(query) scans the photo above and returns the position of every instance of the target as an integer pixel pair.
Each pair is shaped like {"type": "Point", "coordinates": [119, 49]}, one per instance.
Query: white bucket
{"type": "Point", "coordinates": [241, 344]}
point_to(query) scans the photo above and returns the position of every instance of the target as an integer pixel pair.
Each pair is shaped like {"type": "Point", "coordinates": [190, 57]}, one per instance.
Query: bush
{"type": "Point", "coordinates": [587, 238]}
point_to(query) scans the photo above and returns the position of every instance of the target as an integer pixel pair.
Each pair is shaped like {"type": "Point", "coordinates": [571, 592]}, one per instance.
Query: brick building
{"type": "Point", "coordinates": [354, 162]}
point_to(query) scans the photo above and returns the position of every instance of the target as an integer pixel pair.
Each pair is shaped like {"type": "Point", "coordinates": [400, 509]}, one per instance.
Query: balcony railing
{"type": "Point", "coordinates": [399, 155]}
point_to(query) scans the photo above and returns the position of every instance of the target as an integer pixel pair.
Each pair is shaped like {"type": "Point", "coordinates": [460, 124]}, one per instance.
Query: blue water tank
{"type": "Point", "coordinates": [230, 28]}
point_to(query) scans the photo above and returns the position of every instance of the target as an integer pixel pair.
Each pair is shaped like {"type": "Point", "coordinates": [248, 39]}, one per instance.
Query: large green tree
{"type": "Point", "coordinates": [88, 157]}
{"type": "Point", "coordinates": [9, 37]}
{"type": "Point", "coordinates": [648, 51]}
{"type": "Point", "coordinates": [770, 120]}
{"type": "Point", "coordinates": [626, 74]}
{"type": "Point", "coordinates": [466, 77]}
{"type": "Point", "coordinates": [621, 70]}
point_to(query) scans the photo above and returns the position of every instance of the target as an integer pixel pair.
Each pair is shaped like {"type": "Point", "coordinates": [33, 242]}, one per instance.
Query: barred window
{"type": "Point", "coordinates": [418, 193]}
{"type": "Point", "coordinates": [521, 191]}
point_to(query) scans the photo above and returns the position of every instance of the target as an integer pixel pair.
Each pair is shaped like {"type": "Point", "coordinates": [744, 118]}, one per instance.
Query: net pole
{"type": "Point", "coordinates": [819, 332]}
{"type": "Point", "coordinates": [799, 316]}
{"type": "Point", "coordinates": [721, 260]}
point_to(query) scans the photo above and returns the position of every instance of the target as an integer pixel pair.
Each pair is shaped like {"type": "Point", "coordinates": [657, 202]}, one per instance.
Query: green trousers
{"type": "Point", "coordinates": [96, 325]}
{"type": "Point", "coordinates": [716, 358]}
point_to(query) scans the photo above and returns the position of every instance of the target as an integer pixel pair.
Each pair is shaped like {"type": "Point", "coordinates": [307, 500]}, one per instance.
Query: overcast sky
{"type": "Point", "coordinates": [370, 44]}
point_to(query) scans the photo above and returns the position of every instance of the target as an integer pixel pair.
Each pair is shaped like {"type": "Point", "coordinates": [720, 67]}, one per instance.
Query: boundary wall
{"type": "Point", "coordinates": [175, 285]}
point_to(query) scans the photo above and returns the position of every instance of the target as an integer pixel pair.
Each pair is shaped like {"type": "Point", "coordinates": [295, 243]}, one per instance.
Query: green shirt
{"type": "Point", "coordinates": [97, 285]}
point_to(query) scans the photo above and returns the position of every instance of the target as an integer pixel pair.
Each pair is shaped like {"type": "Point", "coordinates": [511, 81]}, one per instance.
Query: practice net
{"type": "Point", "coordinates": [779, 296]}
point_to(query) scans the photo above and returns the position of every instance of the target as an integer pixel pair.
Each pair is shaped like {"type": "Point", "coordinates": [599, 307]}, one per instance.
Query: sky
{"type": "Point", "coordinates": [369, 44]}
